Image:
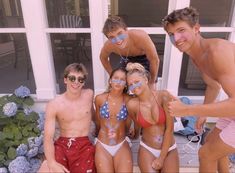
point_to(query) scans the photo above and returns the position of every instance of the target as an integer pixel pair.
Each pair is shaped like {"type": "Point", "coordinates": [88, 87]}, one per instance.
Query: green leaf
{"type": "Point", "coordinates": [25, 132]}
{"type": "Point", "coordinates": [28, 101]}
{"type": "Point", "coordinates": [11, 153]}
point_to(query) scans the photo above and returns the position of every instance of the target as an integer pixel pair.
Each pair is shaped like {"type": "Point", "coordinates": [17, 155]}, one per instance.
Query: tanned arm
{"type": "Point", "coordinates": [168, 134]}
{"type": "Point", "coordinates": [223, 67]}
{"type": "Point", "coordinates": [152, 56]}
{"type": "Point", "coordinates": [49, 131]}
{"type": "Point", "coordinates": [104, 57]}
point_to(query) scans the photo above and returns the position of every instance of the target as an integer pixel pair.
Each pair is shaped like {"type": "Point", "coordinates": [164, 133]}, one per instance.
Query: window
{"type": "Point", "coordinates": [11, 14]}
{"type": "Point", "coordinates": [15, 63]}
{"type": "Point", "coordinates": [70, 47]}
{"type": "Point", "coordinates": [219, 12]}
{"type": "Point", "coordinates": [140, 13]}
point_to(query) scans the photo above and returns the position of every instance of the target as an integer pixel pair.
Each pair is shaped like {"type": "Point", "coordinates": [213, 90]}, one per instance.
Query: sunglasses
{"type": "Point", "coordinates": [74, 78]}
{"type": "Point", "coordinates": [118, 38]}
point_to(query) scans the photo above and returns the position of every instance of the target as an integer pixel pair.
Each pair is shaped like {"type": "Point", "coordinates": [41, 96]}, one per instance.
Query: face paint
{"type": "Point", "coordinates": [159, 139]}
{"type": "Point", "coordinates": [118, 81]}
{"type": "Point", "coordinates": [172, 38]}
{"type": "Point", "coordinates": [118, 38]}
{"type": "Point", "coordinates": [134, 86]}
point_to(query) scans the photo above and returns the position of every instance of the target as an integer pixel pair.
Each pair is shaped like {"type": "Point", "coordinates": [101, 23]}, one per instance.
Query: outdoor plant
{"type": "Point", "coordinates": [21, 137]}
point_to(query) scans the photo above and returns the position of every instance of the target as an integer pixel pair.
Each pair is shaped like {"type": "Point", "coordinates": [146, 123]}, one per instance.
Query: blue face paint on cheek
{"type": "Point", "coordinates": [118, 81]}
{"type": "Point", "coordinates": [134, 86]}
{"type": "Point", "coordinates": [118, 38]}
{"type": "Point", "coordinates": [172, 38]}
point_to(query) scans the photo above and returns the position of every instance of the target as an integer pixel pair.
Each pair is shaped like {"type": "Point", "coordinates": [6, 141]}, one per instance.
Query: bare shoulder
{"type": "Point", "coordinates": [165, 96]}
{"type": "Point", "coordinates": [217, 47]}
{"type": "Point", "coordinates": [221, 54]}
{"type": "Point", "coordinates": [107, 47]}
{"type": "Point", "coordinates": [100, 98]}
{"type": "Point", "coordinates": [138, 34]}
{"type": "Point", "coordinates": [88, 91]}
{"type": "Point", "coordinates": [87, 94]}
{"type": "Point", "coordinates": [53, 105]}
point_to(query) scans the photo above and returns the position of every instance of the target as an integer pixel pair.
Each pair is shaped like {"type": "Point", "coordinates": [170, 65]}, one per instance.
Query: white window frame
{"type": "Point", "coordinates": [38, 37]}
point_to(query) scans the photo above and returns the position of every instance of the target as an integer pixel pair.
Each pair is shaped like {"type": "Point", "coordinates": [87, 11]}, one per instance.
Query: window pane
{"type": "Point", "coordinates": [70, 48]}
{"type": "Point", "coordinates": [214, 12]}
{"type": "Point", "coordinates": [139, 13]}
{"type": "Point", "coordinates": [15, 63]}
{"type": "Point", "coordinates": [68, 14]}
{"type": "Point", "coordinates": [159, 42]}
{"type": "Point", "coordinates": [11, 14]}
{"type": "Point", "coordinates": [191, 83]}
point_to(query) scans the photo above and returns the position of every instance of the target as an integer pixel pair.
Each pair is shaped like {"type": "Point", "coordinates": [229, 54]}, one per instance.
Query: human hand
{"type": "Point", "coordinates": [157, 163]}
{"type": "Point", "coordinates": [200, 124]}
{"type": "Point", "coordinates": [177, 108]}
{"type": "Point", "coordinates": [57, 167]}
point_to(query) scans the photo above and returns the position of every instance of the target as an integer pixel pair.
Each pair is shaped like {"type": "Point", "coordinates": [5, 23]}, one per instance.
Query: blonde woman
{"type": "Point", "coordinates": [157, 152]}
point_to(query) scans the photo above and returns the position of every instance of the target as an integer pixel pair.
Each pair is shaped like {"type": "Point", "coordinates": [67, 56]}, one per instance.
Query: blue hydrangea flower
{"type": "Point", "coordinates": [22, 92]}
{"type": "Point", "coordinates": [32, 152]}
{"type": "Point", "coordinates": [232, 158]}
{"type": "Point", "coordinates": [10, 109]}
{"type": "Point", "coordinates": [41, 121]}
{"type": "Point", "coordinates": [31, 142]}
{"type": "Point", "coordinates": [27, 110]}
{"type": "Point", "coordinates": [3, 170]}
{"type": "Point", "coordinates": [35, 164]}
{"type": "Point", "coordinates": [38, 140]}
{"type": "Point", "coordinates": [41, 149]}
{"type": "Point", "coordinates": [21, 150]}
{"type": "Point", "coordinates": [19, 165]}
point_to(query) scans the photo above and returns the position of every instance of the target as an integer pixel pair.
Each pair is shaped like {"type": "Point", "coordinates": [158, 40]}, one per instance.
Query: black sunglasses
{"type": "Point", "coordinates": [79, 79]}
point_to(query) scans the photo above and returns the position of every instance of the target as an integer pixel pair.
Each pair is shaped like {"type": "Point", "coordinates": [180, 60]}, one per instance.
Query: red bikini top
{"type": "Point", "coordinates": [145, 124]}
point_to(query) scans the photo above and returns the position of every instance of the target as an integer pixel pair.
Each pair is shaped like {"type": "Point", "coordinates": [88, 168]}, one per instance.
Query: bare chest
{"type": "Point", "coordinates": [74, 113]}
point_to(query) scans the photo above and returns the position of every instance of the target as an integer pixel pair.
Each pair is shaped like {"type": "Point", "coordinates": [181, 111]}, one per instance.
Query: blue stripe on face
{"type": "Point", "coordinates": [134, 86]}
{"type": "Point", "coordinates": [119, 37]}
{"type": "Point", "coordinates": [172, 38]}
{"type": "Point", "coordinates": [118, 81]}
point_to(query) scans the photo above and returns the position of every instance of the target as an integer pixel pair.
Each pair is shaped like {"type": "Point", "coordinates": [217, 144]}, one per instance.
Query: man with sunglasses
{"type": "Point", "coordinates": [131, 45]}
{"type": "Point", "coordinates": [72, 151]}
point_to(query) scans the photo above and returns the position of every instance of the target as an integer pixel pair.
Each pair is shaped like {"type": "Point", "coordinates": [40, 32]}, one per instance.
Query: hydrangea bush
{"type": "Point", "coordinates": [21, 133]}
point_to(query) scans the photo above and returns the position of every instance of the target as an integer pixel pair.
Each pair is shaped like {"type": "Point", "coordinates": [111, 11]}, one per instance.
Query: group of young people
{"type": "Point", "coordinates": [147, 112]}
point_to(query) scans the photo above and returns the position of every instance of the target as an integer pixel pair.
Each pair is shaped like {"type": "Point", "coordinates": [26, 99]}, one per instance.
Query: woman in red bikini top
{"type": "Point", "coordinates": [157, 151]}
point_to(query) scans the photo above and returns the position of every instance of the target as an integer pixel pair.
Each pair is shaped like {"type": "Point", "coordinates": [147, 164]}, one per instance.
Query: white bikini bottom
{"type": "Point", "coordinates": [154, 151]}
{"type": "Point", "coordinates": [112, 149]}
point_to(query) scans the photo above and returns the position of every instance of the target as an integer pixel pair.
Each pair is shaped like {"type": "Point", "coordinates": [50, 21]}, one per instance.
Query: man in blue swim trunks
{"type": "Point", "coordinates": [131, 45]}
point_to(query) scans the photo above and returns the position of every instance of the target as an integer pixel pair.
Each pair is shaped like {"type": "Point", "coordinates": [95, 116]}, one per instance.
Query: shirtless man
{"type": "Point", "coordinates": [72, 151]}
{"type": "Point", "coordinates": [131, 45]}
{"type": "Point", "coordinates": [215, 58]}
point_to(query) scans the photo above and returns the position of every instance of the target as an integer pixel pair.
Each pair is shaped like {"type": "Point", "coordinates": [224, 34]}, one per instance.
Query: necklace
{"type": "Point", "coordinates": [125, 58]}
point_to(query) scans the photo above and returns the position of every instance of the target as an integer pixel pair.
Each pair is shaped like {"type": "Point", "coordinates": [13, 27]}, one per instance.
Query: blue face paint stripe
{"type": "Point", "coordinates": [134, 86]}
{"type": "Point", "coordinates": [118, 81]}
{"type": "Point", "coordinates": [118, 38]}
{"type": "Point", "coordinates": [172, 38]}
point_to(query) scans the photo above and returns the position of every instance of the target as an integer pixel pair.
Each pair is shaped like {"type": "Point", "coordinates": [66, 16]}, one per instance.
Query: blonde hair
{"type": "Point", "coordinates": [137, 68]}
